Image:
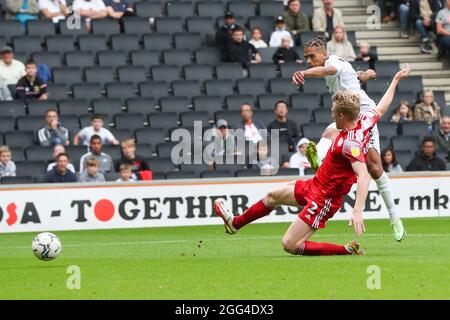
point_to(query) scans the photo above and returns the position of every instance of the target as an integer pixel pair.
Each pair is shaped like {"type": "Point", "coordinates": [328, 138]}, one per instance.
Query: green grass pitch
{"type": "Point", "coordinates": [205, 263]}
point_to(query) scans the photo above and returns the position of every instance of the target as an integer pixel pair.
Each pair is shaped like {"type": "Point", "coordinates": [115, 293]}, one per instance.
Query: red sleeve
{"type": "Point", "coordinates": [353, 151]}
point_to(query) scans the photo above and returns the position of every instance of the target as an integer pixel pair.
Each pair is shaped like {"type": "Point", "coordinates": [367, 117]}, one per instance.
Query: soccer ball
{"type": "Point", "coordinates": [46, 246]}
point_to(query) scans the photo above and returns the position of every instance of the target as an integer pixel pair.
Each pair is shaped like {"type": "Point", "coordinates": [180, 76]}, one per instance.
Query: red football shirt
{"type": "Point", "coordinates": [335, 176]}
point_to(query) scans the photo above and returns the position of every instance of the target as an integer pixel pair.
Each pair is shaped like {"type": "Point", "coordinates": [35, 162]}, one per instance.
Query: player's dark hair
{"type": "Point", "coordinates": [394, 158]}
{"type": "Point", "coordinates": [278, 102]}
{"type": "Point", "coordinates": [95, 137]}
{"type": "Point", "coordinates": [63, 154]}
{"type": "Point", "coordinates": [428, 139]}
{"type": "Point", "coordinates": [317, 41]}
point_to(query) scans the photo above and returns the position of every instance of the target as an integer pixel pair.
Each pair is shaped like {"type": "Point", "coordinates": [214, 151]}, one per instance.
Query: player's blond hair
{"type": "Point", "coordinates": [347, 103]}
{"type": "Point", "coordinates": [4, 149]}
{"type": "Point", "coordinates": [128, 143]}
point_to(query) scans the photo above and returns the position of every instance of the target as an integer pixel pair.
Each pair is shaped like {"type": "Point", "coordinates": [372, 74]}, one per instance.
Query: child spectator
{"type": "Point", "coordinates": [366, 55]}
{"type": "Point", "coordinates": [286, 53]}
{"type": "Point", "coordinates": [299, 159]}
{"type": "Point", "coordinates": [91, 174]}
{"type": "Point", "coordinates": [256, 39]}
{"type": "Point", "coordinates": [279, 33]}
{"type": "Point", "coordinates": [267, 165]}
{"type": "Point", "coordinates": [7, 167]}
{"type": "Point", "coordinates": [390, 163]}
{"type": "Point", "coordinates": [31, 86]}
{"type": "Point", "coordinates": [129, 156]}
{"type": "Point", "coordinates": [96, 128]}
{"type": "Point", "coordinates": [125, 173]}
{"type": "Point", "coordinates": [403, 113]}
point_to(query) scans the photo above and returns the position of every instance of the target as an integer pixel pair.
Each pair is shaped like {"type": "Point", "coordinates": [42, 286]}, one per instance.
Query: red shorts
{"type": "Point", "coordinates": [317, 210]}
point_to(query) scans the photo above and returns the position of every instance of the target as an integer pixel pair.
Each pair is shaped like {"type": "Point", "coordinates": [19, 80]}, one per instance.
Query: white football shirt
{"type": "Point", "coordinates": [346, 79]}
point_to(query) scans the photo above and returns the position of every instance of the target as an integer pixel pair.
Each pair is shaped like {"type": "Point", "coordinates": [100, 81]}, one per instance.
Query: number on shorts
{"type": "Point", "coordinates": [313, 207]}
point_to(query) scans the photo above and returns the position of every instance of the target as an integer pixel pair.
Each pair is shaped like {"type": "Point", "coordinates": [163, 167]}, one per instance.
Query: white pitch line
{"type": "Point", "coordinates": [237, 238]}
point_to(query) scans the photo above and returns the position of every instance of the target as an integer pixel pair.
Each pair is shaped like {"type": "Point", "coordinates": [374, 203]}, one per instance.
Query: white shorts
{"type": "Point", "coordinates": [374, 141]}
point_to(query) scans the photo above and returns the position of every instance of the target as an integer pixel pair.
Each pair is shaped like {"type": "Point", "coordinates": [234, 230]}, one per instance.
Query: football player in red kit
{"type": "Point", "coordinates": [322, 195]}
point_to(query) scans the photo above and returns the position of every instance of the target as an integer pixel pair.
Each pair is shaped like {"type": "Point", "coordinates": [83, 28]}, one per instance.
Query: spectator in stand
{"type": "Point", "coordinates": [443, 29]}
{"type": "Point", "coordinates": [22, 10]}
{"type": "Point", "coordinates": [5, 94]}
{"type": "Point", "coordinates": [296, 20]}
{"type": "Point", "coordinates": [57, 150]}
{"type": "Point", "coordinates": [442, 135]}
{"type": "Point", "coordinates": [267, 164]}
{"type": "Point", "coordinates": [299, 159]}
{"type": "Point", "coordinates": [11, 70]}
{"type": "Point", "coordinates": [91, 174]}
{"type": "Point", "coordinates": [250, 126]}
{"type": "Point", "coordinates": [286, 53]}
{"type": "Point", "coordinates": [326, 17]}
{"type": "Point", "coordinates": [126, 173]}
{"type": "Point", "coordinates": [130, 157]}
{"type": "Point", "coordinates": [366, 55]}
{"type": "Point", "coordinates": [426, 159]}
{"type": "Point", "coordinates": [54, 9]}
{"type": "Point", "coordinates": [117, 9]}
{"type": "Point", "coordinates": [288, 130]}
{"type": "Point", "coordinates": [279, 33]}
{"type": "Point", "coordinates": [96, 128]}
{"type": "Point", "coordinates": [423, 14]}
{"type": "Point", "coordinates": [403, 113]}
{"type": "Point", "coordinates": [224, 141]}
{"type": "Point", "coordinates": [256, 39]}
{"type": "Point", "coordinates": [223, 34]}
{"type": "Point", "coordinates": [89, 10]}
{"type": "Point", "coordinates": [30, 86]}
{"type": "Point", "coordinates": [340, 46]}
{"type": "Point", "coordinates": [239, 50]}
{"type": "Point", "coordinates": [403, 14]}
{"type": "Point", "coordinates": [95, 151]}
{"type": "Point", "coordinates": [427, 109]}
{"type": "Point", "coordinates": [387, 10]}
{"type": "Point", "coordinates": [60, 173]}
{"type": "Point", "coordinates": [390, 163]}
{"type": "Point", "coordinates": [7, 166]}
{"type": "Point", "coordinates": [53, 133]}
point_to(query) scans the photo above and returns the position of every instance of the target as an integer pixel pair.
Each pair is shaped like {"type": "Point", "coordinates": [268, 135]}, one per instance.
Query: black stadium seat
{"type": "Point", "coordinates": [200, 72]}
{"type": "Point", "coordinates": [266, 24]}
{"type": "Point", "coordinates": [131, 74]}
{"type": "Point", "coordinates": [105, 26]}
{"type": "Point", "coordinates": [39, 107]}
{"type": "Point", "coordinates": [71, 107]}
{"type": "Point", "coordinates": [210, 9]}
{"type": "Point", "coordinates": [179, 57]}
{"type": "Point", "coordinates": [282, 86]}
{"type": "Point", "coordinates": [87, 91]}
{"type": "Point", "coordinates": [187, 40]}
{"type": "Point", "coordinates": [229, 71]}
{"type": "Point", "coordinates": [209, 104]}
{"type": "Point", "coordinates": [109, 106]}
{"type": "Point", "coordinates": [137, 25]}
{"type": "Point", "coordinates": [27, 44]}
{"type": "Point", "coordinates": [267, 101]}
{"type": "Point", "coordinates": [180, 9]}
{"type": "Point", "coordinates": [410, 143]}
{"type": "Point", "coordinates": [112, 58]}
{"type": "Point", "coordinates": [270, 8]}
{"type": "Point", "coordinates": [182, 175]}
{"type": "Point", "coordinates": [264, 71]}
{"type": "Point", "coordinates": [120, 90]}
{"type": "Point", "coordinates": [93, 43]}
{"type": "Point", "coordinates": [145, 58]}
{"type": "Point", "coordinates": [124, 42]}
{"type": "Point", "coordinates": [7, 123]}
{"type": "Point", "coordinates": [60, 43]}
{"type": "Point", "coordinates": [10, 28]}
{"type": "Point", "coordinates": [141, 105]}
{"type": "Point", "coordinates": [40, 27]}
{"type": "Point", "coordinates": [166, 73]}
{"type": "Point", "coordinates": [79, 59]}
{"type": "Point", "coordinates": [174, 104]}
{"type": "Point", "coordinates": [151, 136]}
{"type": "Point", "coordinates": [153, 89]}
{"type": "Point", "coordinates": [68, 75]}
{"type": "Point", "coordinates": [163, 120]}
{"type": "Point", "coordinates": [235, 101]}
{"type": "Point", "coordinates": [251, 86]}
{"type": "Point", "coordinates": [169, 24]}
{"type": "Point", "coordinates": [67, 29]}
{"type": "Point", "coordinates": [186, 88]}
{"type": "Point", "coordinates": [245, 8]}
{"type": "Point", "coordinates": [415, 128]}
{"type": "Point", "coordinates": [101, 75]}
{"type": "Point", "coordinates": [161, 164]}
{"type": "Point", "coordinates": [129, 120]}
{"type": "Point", "coordinates": [187, 119]}
{"type": "Point", "coordinates": [13, 108]}
{"type": "Point", "coordinates": [220, 88]}
{"type": "Point", "coordinates": [19, 138]}
{"type": "Point", "coordinates": [314, 131]}
{"type": "Point", "coordinates": [147, 9]}
{"type": "Point", "coordinates": [38, 153]}
{"type": "Point", "coordinates": [208, 55]}
{"type": "Point", "coordinates": [17, 180]}
{"type": "Point", "coordinates": [157, 41]}
{"type": "Point", "coordinates": [203, 25]}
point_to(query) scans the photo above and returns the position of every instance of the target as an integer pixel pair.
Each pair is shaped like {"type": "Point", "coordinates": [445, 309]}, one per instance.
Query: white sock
{"type": "Point", "coordinates": [385, 189]}
{"type": "Point", "coordinates": [322, 148]}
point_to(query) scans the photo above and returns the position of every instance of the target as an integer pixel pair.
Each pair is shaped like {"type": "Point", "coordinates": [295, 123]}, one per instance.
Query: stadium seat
{"type": "Point", "coordinates": [120, 90]}
{"type": "Point", "coordinates": [93, 43]}
{"type": "Point", "coordinates": [60, 43]}
{"type": "Point", "coordinates": [57, 91]}
{"type": "Point", "coordinates": [265, 116]}
{"type": "Point", "coordinates": [35, 169]}
{"type": "Point", "coordinates": [72, 123]}
{"type": "Point", "coordinates": [75, 153]}
{"type": "Point", "coordinates": [415, 128]}
{"type": "Point", "coordinates": [282, 86]}
{"type": "Point", "coordinates": [30, 123]}
{"type": "Point", "coordinates": [167, 73]}
{"type": "Point", "coordinates": [412, 83]}
{"type": "Point", "coordinates": [174, 104]}
{"type": "Point", "coordinates": [199, 72]}
{"type": "Point", "coordinates": [111, 176]}
{"type": "Point", "coordinates": [107, 106]}
{"type": "Point", "coordinates": [73, 107]}
{"type": "Point", "coordinates": [10, 29]}
{"type": "Point", "coordinates": [388, 129]}
{"type": "Point", "coordinates": [101, 75]}
{"type": "Point", "coordinates": [153, 89]}
{"type": "Point", "coordinates": [79, 59]}
{"type": "Point", "coordinates": [13, 108]}
{"type": "Point", "coordinates": [210, 9]}
{"type": "Point", "coordinates": [386, 68]}
{"type": "Point", "coordinates": [160, 164]}
{"type": "Point", "coordinates": [229, 71]}
{"type": "Point", "coordinates": [131, 74]}
{"type": "Point", "coordinates": [87, 90]}
{"type": "Point", "coordinates": [157, 41]}
{"type": "Point", "coordinates": [385, 142]}
{"type": "Point", "coordinates": [141, 105]}
{"type": "Point", "coordinates": [315, 86]}
{"type": "Point", "coordinates": [66, 29]}
{"type": "Point", "coordinates": [148, 9]}
{"type": "Point", "coordinates": [308, 8]}
{"type": "Point", "coordinates": [165, 149]}
{"type": "Point", "coordinates": [380, 84]}
{"type": "Point", "coordinates": [39, 107]}
{"type": "Point", "coordinates": [179, 57]}
{"type": "Point", "coordinates": [17, 180]}
{"type": "Point", "coordinates": [187, 119]}
{"type": "Point", "coordinates": [209, 104]}
{"type": "Point", "coordinates": [219, 88]}
{"type": "Point", "coordinates": [169, 24]}
{"type": "Point", "coordinates": [67, 75]}
{"type": "Point", "coordinates": [264, 71]}
{"type": "Point", "coordinates": [51, 59]}
{"type": "Point", "coordinates": [251, 86]}
{"type": "Point", "coordinates": [322, 115]}
{"type": "Point", "coordinates": [267, 101]}
{"type": "Point", "coordinates": [240, 21]}
{"type": "Point", "coordinates": [145, 58]}
{"type": "Point", "coordinates": [266, 24]}
{"type": "Point", "coordinates": [112, 58]}
{"type": "Point", "coordinates": [6, 123]}
{"type": "Point", "coordinates": [232, 117]}
{"type": "Point", "coordinates": [39, 153]}
{"type": "Point", "coordinates": [151, 136]}
{"type": "Point", "coordinates": [114, 151]}
{"type": "Point", "coordinates": [105, 27]}
{"type": "Point", "coordinates": [314, 131]}
{"type": "Point", "coordinates": [410, 143]}
{"type": "Point", "coordinates": [137, 25]}
{"type": "Point", "coordinates": [187, 40]}
{"type": "Point", "coordinates": [267, 54]}
{"type": "Point", "coordinates": [186, 88]}
{"type": "Point", "coordinates": [27, 44]}
{"type": "Point", "coordinates": [40, 27]}
{"type": "Point", "coordinates": [288, 69]}
{"type": "Point", "coordinates": [204, 26]}
{"type": "Point", "coordinates": [216, 174]}
{"type": "Point", "coordinates": [234, 102]}
{"type": "Point", "coordinates": [300, 116]}
{"type": "Point", "coordinates": [404, 157]}
{"type": "Point", "coordinates": [181, 9]}
{"type": "Point", "coordinates": [270, 8]}
{"type": "Point", "coordinates": [287, 172]}
{"type": "Point", "coordinates": [144, 150]}
{"type": "Point", "coordinates": [181, 175]}
{"type": "Point", "coordinates": [124, 42]}
{"type": "Point", "coordinates": [211, 56]}
{"type": "Point", "coordinates": [129, 120]}
{"type": "Point", "coordinates": [245, 8]}
{"type": "Point", "coordinates": [248, 173]}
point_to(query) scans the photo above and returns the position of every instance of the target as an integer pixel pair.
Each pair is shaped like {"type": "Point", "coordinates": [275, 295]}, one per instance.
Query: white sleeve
{"type": "Point", "coordinates": [100, 5]}
{"type": "Point", "coordinates": [43, 4]}
{"type": "Point", "coordinates": [336, 62]}
{"type": "Point", "coordinates": [109, 136]}
{"type": "Point", "coordinates": [76, 5]}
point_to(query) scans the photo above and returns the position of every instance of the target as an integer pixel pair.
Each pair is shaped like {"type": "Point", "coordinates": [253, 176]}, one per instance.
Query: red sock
{"type": "Point", "coordinates": [309, 248]}
{"type": "Point", "coordinates": [256, 211]}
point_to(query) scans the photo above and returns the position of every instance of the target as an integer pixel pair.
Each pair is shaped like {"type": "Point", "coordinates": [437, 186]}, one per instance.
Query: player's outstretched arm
{"type": "Point", "coordinates": [362, 189]}
{"type": "Point", "coordinates": [386, 101]}
{"type": "Point", "coordinates": [317, 72]}
{"type": "Point", "coordinates": [365, 76]}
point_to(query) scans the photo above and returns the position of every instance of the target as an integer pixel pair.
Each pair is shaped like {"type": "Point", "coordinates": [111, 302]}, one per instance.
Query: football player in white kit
{"type": "Point", "coordinates": [340, 75]}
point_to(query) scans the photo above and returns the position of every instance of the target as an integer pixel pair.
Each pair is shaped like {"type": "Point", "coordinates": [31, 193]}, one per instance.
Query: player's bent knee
{"type": "Point", "coordinates": [375, 169]}
{"type": "Point", "coordinates": [289, 245]}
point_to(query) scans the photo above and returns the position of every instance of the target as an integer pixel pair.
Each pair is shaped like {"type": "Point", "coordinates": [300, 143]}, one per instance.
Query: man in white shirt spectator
{"type": "Point", "coordinates": [11, 70]}
{"type": "Point", "coordinates": [90, 9]}
{"type": "Point", "coordinates": [279, 33]}
{"type": "Point", "coordinates": [326, 17]}
{"type": "Point", "coordinates": [96, 128]}
{"type": "Point", "coordinates": [53, 9]}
